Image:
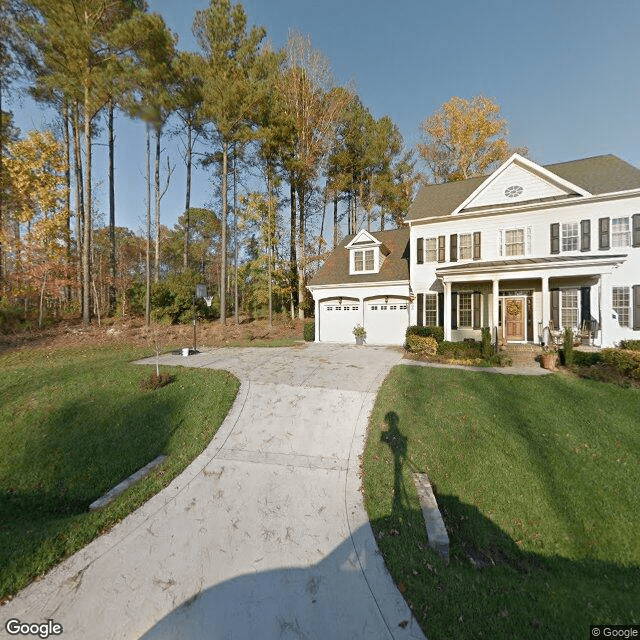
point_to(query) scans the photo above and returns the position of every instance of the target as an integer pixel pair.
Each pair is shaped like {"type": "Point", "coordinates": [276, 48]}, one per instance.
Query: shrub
{"type": "Point", "coordinates": [500, 360]}
{"type": "Point", "coordinates": [487, 347]}
{"type": "Point", "coordinates": [567, 352]}
{"type": "Point", "coordinates": [631, 345]}
{"type": "Point", "coordinates": [460, 350]}
{"type": "Point", "coordinates": [11, 317]}
{"type": "Point", "coordinates": [627, 362]}
{"type": "Point", "coordinates": [426, 332]}
{"type": "Point", "coordinates": [420, 344]}
{"type": "Point", "coordinates": [309, 331]}
{"type": "Point", "coordinates": [172, 299]}
{"type": "Point", "coordinates": [586, 358]}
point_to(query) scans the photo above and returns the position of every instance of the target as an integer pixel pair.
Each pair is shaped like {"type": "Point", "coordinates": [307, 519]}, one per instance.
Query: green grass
{"type": "Point", "coordinates": [537, 479]}
{"type": "Point", "coordinates": [73, 424]}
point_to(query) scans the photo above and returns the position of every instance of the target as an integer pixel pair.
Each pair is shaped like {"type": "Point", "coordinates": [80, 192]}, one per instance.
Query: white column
{"type": "Point", "coordinates": [495, 298]}
{"type": "Point", "coordinates": [317, 319]}
{"type": "Point", "coordinates": [608, 326]}
{"type": "Point", "coordinates": [447, 310]}
{"type": "Point", "coordinates": [545, 309]}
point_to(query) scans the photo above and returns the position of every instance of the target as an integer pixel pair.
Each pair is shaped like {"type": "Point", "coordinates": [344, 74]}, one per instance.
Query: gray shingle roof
{"type": "Point", "coordinates": [394, 268]}
{"type": "Point", "coordinates": [600, 174]}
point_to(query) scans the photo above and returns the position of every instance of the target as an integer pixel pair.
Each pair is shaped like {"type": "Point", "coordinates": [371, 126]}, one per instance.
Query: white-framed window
{"type": "Point", "coordinates": [465, 309]}
{"type": "Point", "coordinates": [431, 250]}
{"type": "Point", "coordinates": [514, 242]}
{"type": "Point", "coordinates": [363, 260]}
{"type": "Point", "coordinates": [621, 304]}
{"type": "Point", "coordinates": [570, 236]}
{"type": "Point", "coordinates": [570, 308]}
{"type": "Point", "coordinates": [431, 309]}
{"type": "Point", "coordinates": [620, 232]}
{"type": "Point", "coordinates": [465, 246]}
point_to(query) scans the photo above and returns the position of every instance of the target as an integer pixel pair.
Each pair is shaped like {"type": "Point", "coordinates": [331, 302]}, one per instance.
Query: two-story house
{"type": "Point", "coordinates": [521, 250]}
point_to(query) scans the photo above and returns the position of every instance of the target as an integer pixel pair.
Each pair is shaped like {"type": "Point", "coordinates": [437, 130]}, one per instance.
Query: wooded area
{"type": "Point", "coordinates": [283, 142]}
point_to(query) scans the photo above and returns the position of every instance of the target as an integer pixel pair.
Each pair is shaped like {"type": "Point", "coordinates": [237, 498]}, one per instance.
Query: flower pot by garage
{"type": "Point", "coordinates": [359, 339]}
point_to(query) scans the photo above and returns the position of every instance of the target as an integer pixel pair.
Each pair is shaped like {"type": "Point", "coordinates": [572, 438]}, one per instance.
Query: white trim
{"type": "Point", "coordinates": [525, 164]}
{"type": "Point", "coordinates": [361, 236]}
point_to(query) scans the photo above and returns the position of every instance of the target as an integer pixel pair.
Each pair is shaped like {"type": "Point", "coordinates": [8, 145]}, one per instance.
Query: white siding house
{"type": "Point", "coordinates": [523, 251]}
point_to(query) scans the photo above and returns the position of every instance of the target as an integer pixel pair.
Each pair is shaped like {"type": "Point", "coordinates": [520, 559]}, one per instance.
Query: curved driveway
{"type": "Point", "coordinates": [263, 536]}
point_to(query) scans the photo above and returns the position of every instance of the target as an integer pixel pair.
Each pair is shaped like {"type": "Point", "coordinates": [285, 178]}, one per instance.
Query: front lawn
{"type": "Point", "coordinates": [537, 479]}
{"type": "Point", "coordinates": [73, 424]}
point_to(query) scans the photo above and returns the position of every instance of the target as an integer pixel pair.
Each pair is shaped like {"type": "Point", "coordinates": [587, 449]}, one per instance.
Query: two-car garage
{"type": "Point", "coordinates": [385, 319]}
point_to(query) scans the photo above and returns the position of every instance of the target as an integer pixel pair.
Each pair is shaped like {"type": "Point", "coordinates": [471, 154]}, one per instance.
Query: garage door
{"type": "Point", "coordinates": [337, 319]}
{"type": "Point", "coordinates": [386, 320]}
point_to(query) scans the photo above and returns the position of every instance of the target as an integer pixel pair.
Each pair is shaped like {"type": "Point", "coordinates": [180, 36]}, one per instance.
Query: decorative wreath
{"type": "Point", "coordinates": [514, 307]}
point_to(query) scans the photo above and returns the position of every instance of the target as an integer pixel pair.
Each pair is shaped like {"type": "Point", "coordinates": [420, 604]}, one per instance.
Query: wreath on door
{"type": "Point", "coordinates": [514, 308]}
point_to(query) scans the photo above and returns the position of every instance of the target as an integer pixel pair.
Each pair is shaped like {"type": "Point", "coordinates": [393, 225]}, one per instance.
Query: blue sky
{"type": "Point", "coordinates": [566, 74]}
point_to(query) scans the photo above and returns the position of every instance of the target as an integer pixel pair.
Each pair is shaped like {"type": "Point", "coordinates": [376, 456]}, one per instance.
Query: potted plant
{"type": "Point", "coordinates": [549, 358]}
{"type": "Point", "coordinates": [359, 333]}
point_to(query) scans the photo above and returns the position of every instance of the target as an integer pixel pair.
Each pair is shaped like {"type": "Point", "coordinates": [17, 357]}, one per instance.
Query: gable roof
{"type": "Point", "coordinates": [599, 174]}
{"type": "Point", "coordinates": [395, 266]}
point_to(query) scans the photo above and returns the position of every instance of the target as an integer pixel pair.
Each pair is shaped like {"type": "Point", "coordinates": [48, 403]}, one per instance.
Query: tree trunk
{"type": "Point", "coordinates": [223, 236]}
{"type": "Point", "coordinates": [292, 246]}
{"type": "Point", "coordinates": [79, 195]}
{"type": "Point", "coordinates": [235, 239]}
{"type": "Point", "coordinates": [187, 202]}
{"type": "Point", "coordinates": [147, 299]}
{"type": "Point", "coordinates": [86, 245]}
{"type": "Point", "coordinates": [270, 245]}
{"type": "Point", "coordinates": [112, 219]}
{"type": "Point", "coordinates": [67, 197]}
{"type": "Point", "coordinates": [301, 251]}
{"type": "Point", "coordinates": [335, 220]}
{"type": "Point", "coordinates": [156, 266]}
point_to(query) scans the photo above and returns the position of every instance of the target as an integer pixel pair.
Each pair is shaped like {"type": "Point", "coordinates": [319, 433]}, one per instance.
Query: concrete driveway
{"type": "Point", "coordinates": [263, 536]}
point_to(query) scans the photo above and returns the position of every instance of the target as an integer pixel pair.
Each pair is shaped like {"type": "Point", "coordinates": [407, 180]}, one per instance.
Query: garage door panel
{"type": "Point", "coordinates": [386, 320]}
{"type": "Point", "coordinates": [338, 319]}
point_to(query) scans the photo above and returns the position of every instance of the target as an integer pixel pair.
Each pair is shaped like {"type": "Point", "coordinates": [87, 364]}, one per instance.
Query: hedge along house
{"type": "Point", "coordinates": [530, 248]}
{"type": "Point", "coordinates": [364, 281]}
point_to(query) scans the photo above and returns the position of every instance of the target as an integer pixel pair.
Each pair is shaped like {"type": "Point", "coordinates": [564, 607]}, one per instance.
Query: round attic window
{"type": "Point", "coordinates": [513, 191]}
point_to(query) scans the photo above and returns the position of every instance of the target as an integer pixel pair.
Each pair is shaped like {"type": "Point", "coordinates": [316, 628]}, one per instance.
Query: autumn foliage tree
{"type": "Point", "coordinates": [465, 138]}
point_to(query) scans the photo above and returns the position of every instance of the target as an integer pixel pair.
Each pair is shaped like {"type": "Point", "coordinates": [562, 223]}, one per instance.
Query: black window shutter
{"type": "Point", "coordinates": [453, 247]}
{"type": "Point", "coordinates": [477, 246]}
{"type": "Point", "coordinates": [420, 309]}
{"type": "Point", "coordinates": [555, 308]}
{"type": "Point", "coordinates": [454, 309]}
{"type": "Point", "coordinates": [636, 307]}
{"type": "Point", "coordinates": [477, 307]}
{"type": "Point", "coordinates": [585, 235]}
{"type": "Point", "coordinates": [635, 226]}
{"type": "Point", "coordinates": [441, 309]}
{"type": "Point", "coordinates": [585, 304]}
{"type": "Point", "coordinates": [603, 225]}
{"type": "Point", "coordinates": [441, 249]}
{"type": "Point", "coordinates": [420, 250]}
{"type": "Point", "coordinates": [555, 237]}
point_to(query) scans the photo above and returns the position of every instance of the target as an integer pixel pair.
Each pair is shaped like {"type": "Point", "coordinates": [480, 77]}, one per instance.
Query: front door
{"type": "Point", "coordinates": [515, 318]}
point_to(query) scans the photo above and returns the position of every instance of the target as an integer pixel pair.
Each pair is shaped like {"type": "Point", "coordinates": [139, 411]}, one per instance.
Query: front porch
{"type": "Point", "coordinates": [523, 301]}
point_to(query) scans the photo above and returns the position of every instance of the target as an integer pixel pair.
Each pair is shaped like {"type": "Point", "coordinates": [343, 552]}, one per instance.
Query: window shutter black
{"type": "Point", "coordinates": [441, 249]}
{"type": "Point", "coordinates": [477, 307]}
{"type": "Point", "coordinates": [635, 227]}
{"type": "Point", "coordinates": [636, 307]}
{"type": "Point", "coordinates": [476, 246]}
{"type": "Point", "coordinates": [603, 224]}
{"type": "Point", "coordinates": [454, 309]}
{"type": "Point", "coordinates": [585, 235]}
{"type": "Point", "coordinates": [555, 237]}
{"type": "Point", "coordinates": [419, 250]}
{"type": "Point", "coordinates": [453, 247]}
{"type": "Point", "coordinates": [420, 309]}
{"type": "Point", "coordinates": [585, 305]}
{"type": "Point", "coordinates": [441, 309]}
{"type": "Point", "coordinates": [555, 308]}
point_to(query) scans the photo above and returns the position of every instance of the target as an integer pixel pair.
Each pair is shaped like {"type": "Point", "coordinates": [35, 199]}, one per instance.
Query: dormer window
{"type": "Point", "coordinates": [365, 254]}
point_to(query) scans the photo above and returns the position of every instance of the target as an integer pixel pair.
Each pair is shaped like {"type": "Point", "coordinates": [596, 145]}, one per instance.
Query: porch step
{"type": "Point", "coordinates": [523, 355]}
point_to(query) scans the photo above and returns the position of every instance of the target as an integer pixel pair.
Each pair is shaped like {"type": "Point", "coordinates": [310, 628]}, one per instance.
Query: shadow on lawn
{"type": "Point", "coordinates": [492, 587]}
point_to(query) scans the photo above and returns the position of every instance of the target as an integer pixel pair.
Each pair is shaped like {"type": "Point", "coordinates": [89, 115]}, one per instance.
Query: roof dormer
{"type": "Point", "coordinates": [366, 254]}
